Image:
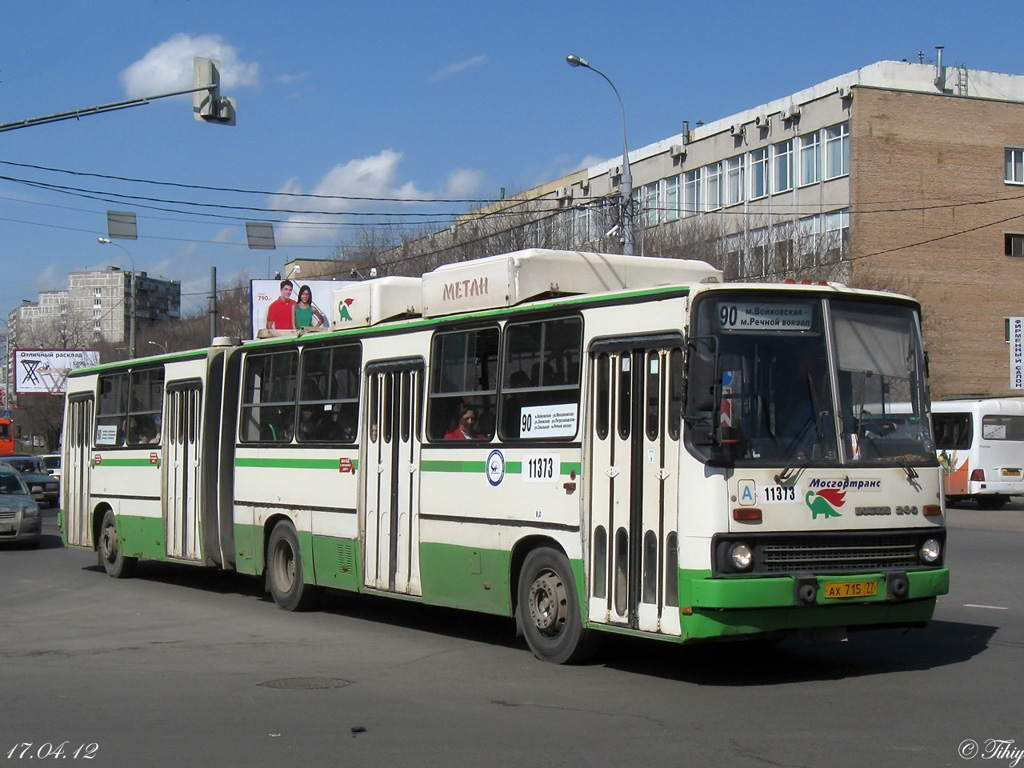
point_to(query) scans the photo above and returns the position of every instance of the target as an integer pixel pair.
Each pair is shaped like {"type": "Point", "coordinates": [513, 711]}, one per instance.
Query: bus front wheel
{"type": "Point", "coordinates": [548, 609]}
{"type": "Point", "coordinates": [284, 570]}
{"type": "Point", "coordinates": [111, 556]}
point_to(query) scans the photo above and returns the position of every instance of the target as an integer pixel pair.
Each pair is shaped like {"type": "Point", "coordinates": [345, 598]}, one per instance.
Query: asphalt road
{"type": "Point", "coordinates": [186, 667]}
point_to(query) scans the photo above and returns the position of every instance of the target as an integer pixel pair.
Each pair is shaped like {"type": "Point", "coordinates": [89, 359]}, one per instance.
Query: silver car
{"type": "Point", "coordinates": [19, 515]}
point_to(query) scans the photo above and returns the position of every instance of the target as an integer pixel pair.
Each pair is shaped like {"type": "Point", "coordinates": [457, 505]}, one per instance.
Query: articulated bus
{"type": "Point", "coordinates": [585, 442]}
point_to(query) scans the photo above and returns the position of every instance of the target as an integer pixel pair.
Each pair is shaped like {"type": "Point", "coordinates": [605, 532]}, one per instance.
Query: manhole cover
{"type": "Point", "coordinates": [307, 683]}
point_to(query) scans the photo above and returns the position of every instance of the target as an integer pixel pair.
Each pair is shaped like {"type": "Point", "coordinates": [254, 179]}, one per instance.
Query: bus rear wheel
{"type": "Point", "coordinates": [548, 609]}
{"type": "Point", "coordinates": [994, 501]}
{"type": "Point", "coordinates": [111, 556]}
{"type": "Point", "coordinates": [284, 570]}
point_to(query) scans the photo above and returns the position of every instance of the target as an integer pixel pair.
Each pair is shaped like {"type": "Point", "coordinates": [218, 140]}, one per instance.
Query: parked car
{"type": "Point", "coordinates": [19, 514]}
{"type": "Point", "coordinates": [44, 487]}
{"type": "Point", "coordinates": [52, 463]}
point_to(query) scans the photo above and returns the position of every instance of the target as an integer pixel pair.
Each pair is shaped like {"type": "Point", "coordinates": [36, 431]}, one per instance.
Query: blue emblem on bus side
{"type": "Point", "coordinates": [495, 468]}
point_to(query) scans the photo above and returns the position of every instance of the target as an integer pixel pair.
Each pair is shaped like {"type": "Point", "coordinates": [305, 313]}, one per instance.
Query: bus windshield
{"type": "Point", "coordinates": [812, 380]}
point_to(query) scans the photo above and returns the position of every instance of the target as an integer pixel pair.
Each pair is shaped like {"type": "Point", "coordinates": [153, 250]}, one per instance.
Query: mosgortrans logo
{"type": "Point", "coordinates": [825, 502]}
{"type": "Point", "coordinates": [845, 484]}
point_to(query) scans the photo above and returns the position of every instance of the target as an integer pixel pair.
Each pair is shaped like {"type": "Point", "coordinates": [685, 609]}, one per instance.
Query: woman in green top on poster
{"type": "Point", "coordinates": [305, 313]}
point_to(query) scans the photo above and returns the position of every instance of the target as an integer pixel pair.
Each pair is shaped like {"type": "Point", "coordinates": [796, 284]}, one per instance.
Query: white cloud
{"type": "Point", "coordinates": [226, 235]}
{"type": "Point", "coordinates": [459, 66]}
{"type": "Point", "coordinates": [53, 278]}
{"type": "Point", "coordinates": [368, 177]}
{"type": "Point", "coordinates": [168, 66]}
{"type": "Point", "coordinates": [463, 183]}
{"type": "Point", "coordinates": [287, 79]}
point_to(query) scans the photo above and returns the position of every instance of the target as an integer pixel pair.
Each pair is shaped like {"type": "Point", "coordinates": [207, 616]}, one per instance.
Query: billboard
{"type": "Point", "coordinates": [45, 371]}
{"type": "Point", "coordinates": [269, 309]}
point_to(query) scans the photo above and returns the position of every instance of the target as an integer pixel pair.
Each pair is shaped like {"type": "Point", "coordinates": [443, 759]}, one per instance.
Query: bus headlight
{"type": "Point", "coordinates": [740, 556]}
{"type": "Point", "coordinates": [930, 551]}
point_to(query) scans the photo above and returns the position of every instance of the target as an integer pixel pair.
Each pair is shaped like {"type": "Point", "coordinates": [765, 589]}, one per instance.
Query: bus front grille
{"type": "Point", "coordinates": [841, 554]}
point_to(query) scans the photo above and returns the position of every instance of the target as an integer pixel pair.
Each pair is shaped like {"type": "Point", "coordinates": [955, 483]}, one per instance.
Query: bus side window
{"type": "Point", "coordinates": [541, 377]}
{"type": "Point", "coordinates": [268, 397]}
{"type": "Point", "coordinates": [464, 370]}
{"type": "Point", "coordinates": [112, 410]}
{"type": "Point", "coordinates": [329, 394]}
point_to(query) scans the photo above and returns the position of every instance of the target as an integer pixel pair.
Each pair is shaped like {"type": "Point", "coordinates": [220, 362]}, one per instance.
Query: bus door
{"type": "Point", "coordinates": [75, 473]}
{"type": "Point", "coordinates": [182, 493]}
{"type": "Point", "coordinates": [636, 402]}
{"type": "Point", "coordinates": [390, 524]}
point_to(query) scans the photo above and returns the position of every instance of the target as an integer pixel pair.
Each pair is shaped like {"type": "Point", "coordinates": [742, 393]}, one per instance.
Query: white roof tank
{"type": "Point", "coordinates": [369, 302]}
{"type": "Point", "coordinates": [511, 278]}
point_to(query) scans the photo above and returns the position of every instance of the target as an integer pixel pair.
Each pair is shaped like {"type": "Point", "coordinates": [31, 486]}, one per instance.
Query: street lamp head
{"type": "Point", "coordinates": [576, 61]}
{"type": "Point", "coordinates": [102, 239]}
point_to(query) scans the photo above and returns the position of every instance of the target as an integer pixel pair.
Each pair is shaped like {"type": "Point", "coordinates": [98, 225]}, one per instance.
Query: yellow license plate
{"type": "Point", "coordinates": [1011, 473]}
{"type": "Point", "coordinates": [841, 589]}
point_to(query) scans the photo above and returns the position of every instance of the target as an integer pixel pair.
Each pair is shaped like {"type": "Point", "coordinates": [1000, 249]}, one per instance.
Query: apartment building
{"type": "Point", "coordinates": [96, 306]}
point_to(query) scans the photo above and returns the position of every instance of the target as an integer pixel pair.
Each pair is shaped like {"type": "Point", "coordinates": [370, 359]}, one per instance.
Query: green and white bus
{"type": "Point", "coordinates": [584, 442]}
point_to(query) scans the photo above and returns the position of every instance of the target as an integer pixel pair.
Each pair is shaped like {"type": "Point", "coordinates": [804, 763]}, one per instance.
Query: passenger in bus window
{"type": "Point", "coordinates": [463, 424]}
{"type": "Point", "coordinates": [309, 426]}
{"type": "Point", "coordinates": [145, 430]}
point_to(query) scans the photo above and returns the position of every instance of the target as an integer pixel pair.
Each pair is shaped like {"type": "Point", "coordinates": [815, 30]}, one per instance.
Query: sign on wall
{"type": "Point", "coordinates": [1017, 353]}
{"type": "Point", "coordinates": [45, 371]}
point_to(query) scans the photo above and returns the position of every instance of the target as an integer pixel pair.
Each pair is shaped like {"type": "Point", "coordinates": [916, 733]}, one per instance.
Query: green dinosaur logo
{"type": "Point", "coordinates": [825, 502]}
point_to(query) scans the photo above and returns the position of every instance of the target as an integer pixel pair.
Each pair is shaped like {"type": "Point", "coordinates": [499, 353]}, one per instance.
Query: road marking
{"type": "Point", "coordinates": [989, 607]}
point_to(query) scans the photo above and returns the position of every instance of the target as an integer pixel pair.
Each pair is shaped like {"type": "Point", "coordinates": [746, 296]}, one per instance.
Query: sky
{"type": "Point", "coordinates": [400, 112]}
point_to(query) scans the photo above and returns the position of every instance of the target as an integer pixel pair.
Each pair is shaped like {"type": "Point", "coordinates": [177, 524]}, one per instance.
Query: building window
{"type": "Point", "coordinates": [837, 229]}
{"type": "Point", "coordinates": [837, 151]}
{"type": "Point", "coordinates": [782, 180]}
{"type": "Point", "coordinates": [810, 159]}
{"type": "Point", "coordinates": [713, 187]}
{"type": "Point", "coordinates": [691, 193]}
{"type": "Point", "coordinates": [1014, 243]}
{"type": "Point", "coordinates": [1014, 166]}
{"type": "Point", "coordinates": [734, 180]}
{"type": "Point", "coordinates": [672, 199]}
{"type": "Point", "coordinates": [758, 173]}
{"type": "Point", "coordinates": [652, 213]}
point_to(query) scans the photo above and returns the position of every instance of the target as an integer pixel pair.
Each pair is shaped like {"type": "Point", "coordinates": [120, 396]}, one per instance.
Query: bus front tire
{"type": "Point", "coordinates": [111, 556]}
{"type": "Point", "coordinates": [548, 609]}
{"type": "Point", "coordinates": [284, 570]}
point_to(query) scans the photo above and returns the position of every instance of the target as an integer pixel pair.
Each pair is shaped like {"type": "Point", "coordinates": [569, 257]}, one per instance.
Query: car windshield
{"type": "Point", "coordinates": [11, 483]}
{"type": "Point", "coordinates": [805, 379]}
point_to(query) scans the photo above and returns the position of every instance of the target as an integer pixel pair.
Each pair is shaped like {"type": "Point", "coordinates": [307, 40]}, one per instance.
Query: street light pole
{"type": "Point", "coordinates": [626, 184]}
{"type": "Point", "coordinates": [131, 313]}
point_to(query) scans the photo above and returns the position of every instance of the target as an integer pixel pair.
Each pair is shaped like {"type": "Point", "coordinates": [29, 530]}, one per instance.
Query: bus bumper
{"type": "Point", "coordinates": [748, 606]}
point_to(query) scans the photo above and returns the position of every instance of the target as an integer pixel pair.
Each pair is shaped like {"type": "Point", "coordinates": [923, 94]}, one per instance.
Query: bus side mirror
{"type": "Point", "coordinates": [702, 383]}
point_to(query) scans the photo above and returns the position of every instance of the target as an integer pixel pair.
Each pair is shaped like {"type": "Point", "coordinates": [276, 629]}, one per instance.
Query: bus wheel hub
{"type": "Point", "coordinates": [548, 602]}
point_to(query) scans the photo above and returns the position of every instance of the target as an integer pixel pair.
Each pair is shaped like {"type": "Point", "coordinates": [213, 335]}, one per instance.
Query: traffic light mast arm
{"type": "Point", "coordinates": [212, 107]}
{"type": "Point", "coordinates": [77, 113]}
